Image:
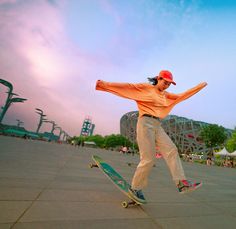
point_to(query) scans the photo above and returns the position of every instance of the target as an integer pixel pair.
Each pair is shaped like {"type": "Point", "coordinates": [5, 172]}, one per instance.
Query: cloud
{"type": "Point", "coordinates": [45, 66]}
{"type": "Point", "coordinates": [36, 57]}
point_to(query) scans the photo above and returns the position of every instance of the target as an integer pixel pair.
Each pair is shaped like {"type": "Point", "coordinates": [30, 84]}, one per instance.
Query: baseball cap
{"type": "Point", "coordinates": [166, 75]}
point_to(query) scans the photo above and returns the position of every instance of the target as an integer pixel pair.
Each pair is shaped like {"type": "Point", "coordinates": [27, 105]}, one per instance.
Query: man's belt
{"type": "Point", "coordinates": [152, 116]}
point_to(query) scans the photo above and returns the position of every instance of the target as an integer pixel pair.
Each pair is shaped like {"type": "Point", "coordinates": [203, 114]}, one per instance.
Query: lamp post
{"type": "Point", "coordinates": [53, 127]}
{"type": "Point", "coordinates": [41, 118]}
{"type": "Point", "coordinates": [9, 99]}
{"type": "Point", "coordinates": [64, 133]}
{"type": "Point", "coordinates": [67, 136]}
{"type": "Point", "coordinates": [58, 127]}
{"type": "Point", "coordinates": [64, 136]}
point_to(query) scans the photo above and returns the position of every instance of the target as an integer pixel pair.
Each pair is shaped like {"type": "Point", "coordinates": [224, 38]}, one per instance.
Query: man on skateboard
{"type": "Point", "coordinates": [154, 104]}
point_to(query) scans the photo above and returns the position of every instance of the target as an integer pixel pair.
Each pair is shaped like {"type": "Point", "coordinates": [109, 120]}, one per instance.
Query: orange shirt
{"type": "Point", "coordinates": [148, 98]}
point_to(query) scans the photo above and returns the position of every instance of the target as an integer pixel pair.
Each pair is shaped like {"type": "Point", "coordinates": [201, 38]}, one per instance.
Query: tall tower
{"type": "Point", "coordinates": [87, 128]}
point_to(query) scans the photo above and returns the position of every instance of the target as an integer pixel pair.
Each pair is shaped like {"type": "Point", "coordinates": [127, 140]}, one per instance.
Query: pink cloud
{"type": "Point", "coordinates": [44, 66]}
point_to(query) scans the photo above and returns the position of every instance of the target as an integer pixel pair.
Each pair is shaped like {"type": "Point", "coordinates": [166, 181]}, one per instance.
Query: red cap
{"type": "Point", "coordinates": [166, 75]}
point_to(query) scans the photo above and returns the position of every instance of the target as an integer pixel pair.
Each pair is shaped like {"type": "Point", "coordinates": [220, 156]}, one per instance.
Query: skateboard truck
{"type": "Point", "coordinates": [126, 204]}
{"type": "Point", "coordinates": [92, 165]}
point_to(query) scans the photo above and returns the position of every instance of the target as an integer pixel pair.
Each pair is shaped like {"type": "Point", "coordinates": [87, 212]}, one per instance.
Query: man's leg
{"type": "Point", "coordinates": [147, 149]}
{"type": "Point", "coordinates": [170, 154]}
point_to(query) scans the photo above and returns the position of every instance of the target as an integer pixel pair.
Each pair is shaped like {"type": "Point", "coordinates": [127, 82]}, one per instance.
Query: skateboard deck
{"type": "Point", "coordinates": [116, 179]}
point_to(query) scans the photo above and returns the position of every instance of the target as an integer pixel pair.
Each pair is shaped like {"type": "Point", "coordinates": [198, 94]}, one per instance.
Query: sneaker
{"type": "Point", "coordinates": [185, 186]}
{"type": "Point", "coordinates": [138, 195]}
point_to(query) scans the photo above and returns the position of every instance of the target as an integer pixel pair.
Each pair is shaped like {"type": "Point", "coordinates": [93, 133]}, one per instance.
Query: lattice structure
{"type": "Point", "coordinates": [128, 123]}
{"type": "Point", "coordinates": [184, 132]}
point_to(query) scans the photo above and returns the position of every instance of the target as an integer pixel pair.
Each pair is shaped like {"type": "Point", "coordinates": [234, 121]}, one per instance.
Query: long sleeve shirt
{"type": "Point", "coordinates": [148, 98]}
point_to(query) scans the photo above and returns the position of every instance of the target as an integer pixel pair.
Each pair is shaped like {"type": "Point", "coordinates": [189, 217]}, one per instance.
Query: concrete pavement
{"type": "Point", "coordinates": [47, 185]}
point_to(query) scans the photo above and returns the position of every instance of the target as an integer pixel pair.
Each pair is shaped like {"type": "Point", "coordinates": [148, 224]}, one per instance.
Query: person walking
{"type": "Point", "coordinates": [154, 103]}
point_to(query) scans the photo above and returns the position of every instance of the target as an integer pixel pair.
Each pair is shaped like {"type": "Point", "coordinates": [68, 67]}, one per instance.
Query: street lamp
{"type": "Point", "coordinates": [58, 127]}
{"type": "Point", "coordinates": [7, 84]}
{"type": "Point", "coordinates": [67, 136]}
{"type": "Point", "coordinates": [64, 133]}
{"type": "Point", "coordinates": [53, 128]}
{"type": "Point", "coordinates": [41, 118]}
{"type": "Point", "coordinates": [9, 99]}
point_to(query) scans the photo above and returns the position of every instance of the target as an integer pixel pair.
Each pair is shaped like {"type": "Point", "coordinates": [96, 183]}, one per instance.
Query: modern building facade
{"type": "Point", "coordinates": [88, 127]}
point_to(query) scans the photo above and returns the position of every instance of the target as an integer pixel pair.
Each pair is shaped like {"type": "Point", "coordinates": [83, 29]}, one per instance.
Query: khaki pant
{"type": "Point", "coordinates": [150, 136]}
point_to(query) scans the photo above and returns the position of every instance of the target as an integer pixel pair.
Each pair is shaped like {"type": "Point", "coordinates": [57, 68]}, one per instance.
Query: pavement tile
{"type": "Point", "coordinates": [10, 182]}
{"type": "Point", "coordinates": [205, 222]}
{"type": "Point", "coordinates": [51, 210]}
{"type": "Point", "coordinates": [79, 195]}
{"type": "Point", "coordinates": [166, 210]}
{"type": "Point", "coordinates": [5, 226]}
{"type": "Point", "coordinates": [172, 197]}
{"type": "Point", "coordinates": [92, 224]}
{"type": "Point", "coordinates": [10, 211]}
{"type": "Point", "coordinates": [82, 186]}
{"type": "Point", "coordinates": [226, 207]}
{"type": "Point", "coordinates": [18, 193]}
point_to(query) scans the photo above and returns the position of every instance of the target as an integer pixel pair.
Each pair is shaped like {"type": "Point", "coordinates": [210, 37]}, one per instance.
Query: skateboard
{"type": "Point", "coordinates": [116, 179]}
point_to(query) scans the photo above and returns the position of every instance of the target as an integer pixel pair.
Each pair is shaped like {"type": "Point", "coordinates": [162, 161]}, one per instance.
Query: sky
{"type": "Point", "coordinates": [54, 51]}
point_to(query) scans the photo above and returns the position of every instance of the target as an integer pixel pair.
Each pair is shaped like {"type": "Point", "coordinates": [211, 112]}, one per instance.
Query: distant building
{"type": "Point", "coordinates": [183, 132]}
{"type": "Point", "coordinates": [87, 127]}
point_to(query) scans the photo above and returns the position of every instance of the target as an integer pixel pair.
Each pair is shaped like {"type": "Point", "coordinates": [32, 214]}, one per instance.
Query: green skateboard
{"type": "Point", "coordinates": [116, 179]}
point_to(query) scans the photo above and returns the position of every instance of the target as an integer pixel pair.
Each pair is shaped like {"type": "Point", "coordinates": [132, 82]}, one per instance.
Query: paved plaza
{"type": "Point", "coordinates": [48, 185]}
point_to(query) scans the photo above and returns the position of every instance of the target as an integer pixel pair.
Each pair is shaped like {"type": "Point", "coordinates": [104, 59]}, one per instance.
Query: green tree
{"type": "Point", "coordinates": [231, 143]}
{"type": "Point", "coordinates": [109, 141]}
{"type": "Point", "coordinates": [98, 139]}
{"type": "Point", "coordinates": [116, 140]}
{"type": "Point", "coordinates": [213, 136]}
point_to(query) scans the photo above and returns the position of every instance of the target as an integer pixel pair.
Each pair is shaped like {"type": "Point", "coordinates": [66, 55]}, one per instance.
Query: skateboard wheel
{"type": "Point", "coordinates": [124, 204]}
{"type": "Point", "coordinates": [93, 165]}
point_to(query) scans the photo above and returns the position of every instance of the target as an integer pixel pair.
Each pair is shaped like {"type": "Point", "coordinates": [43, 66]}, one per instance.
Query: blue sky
{"type": "Point", "coordinates": [54, 51]}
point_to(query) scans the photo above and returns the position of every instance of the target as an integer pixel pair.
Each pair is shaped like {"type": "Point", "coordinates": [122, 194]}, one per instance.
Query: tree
{"type": "Point", "coordinates": [110, 141]}
{"type": "Point", "coordinates": [98, 139]}
{"type": "Point", "coordinates": [231, 143]}
{"type": "Point", "coordinates": [213, 136]}
{"type": "Point", "coordinates": [116, 140]}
